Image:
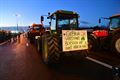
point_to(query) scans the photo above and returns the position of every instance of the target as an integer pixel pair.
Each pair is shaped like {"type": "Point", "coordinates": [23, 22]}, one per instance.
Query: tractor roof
{"type": "Point", "coordinates": [67, 14]}
{"type": "Point", "coordinates": [64, 12]}
{"type": "Point", "coordinates": [116, 15]}
{"type": "Point", "coordinates": [35, 25]}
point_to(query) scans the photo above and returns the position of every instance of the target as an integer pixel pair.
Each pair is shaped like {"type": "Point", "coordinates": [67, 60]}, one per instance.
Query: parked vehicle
{"type": "Point", "coordinates": [109, 37]}
{"type": "Point", "coordinates": [63, 37]}
{"type": "Point", "coordinates": [35, 30]}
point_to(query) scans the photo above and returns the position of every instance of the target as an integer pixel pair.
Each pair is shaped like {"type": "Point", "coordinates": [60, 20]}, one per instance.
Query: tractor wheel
{"type": "Point", "coordinates": [92, 44]}
{"type": "Point", "coordinates": [115, 45]}
{"type": "Point", "coordinates": [32, 39]}
{"type": "Point", "coordinates": [50, 49]}
{"type": "Point", "coordinates": [38, 45]}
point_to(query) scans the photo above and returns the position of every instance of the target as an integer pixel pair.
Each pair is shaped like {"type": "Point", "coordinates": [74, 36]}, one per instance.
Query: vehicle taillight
{"type": "Point", "coordinates": [100, 33]}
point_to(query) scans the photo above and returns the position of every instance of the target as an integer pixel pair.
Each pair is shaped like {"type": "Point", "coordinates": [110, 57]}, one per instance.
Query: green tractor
{"type": "Point", "coordinates": [63, 36]}
{"type": "Point", "coordinates": [109, 37]}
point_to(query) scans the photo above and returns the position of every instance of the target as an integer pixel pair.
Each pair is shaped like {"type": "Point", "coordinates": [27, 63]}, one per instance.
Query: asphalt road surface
{"type": "Point", "coordinates": [106, 56]}
{"type": "Point", "coordinates": [19, 60]}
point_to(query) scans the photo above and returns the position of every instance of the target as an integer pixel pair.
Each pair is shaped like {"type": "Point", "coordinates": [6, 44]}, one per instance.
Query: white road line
{"type": "Point", "coordinates": [99, 62]}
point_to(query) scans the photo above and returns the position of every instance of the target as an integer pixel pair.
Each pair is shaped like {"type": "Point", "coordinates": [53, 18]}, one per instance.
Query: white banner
{"type": "Point", "coordinates": [73, 40]}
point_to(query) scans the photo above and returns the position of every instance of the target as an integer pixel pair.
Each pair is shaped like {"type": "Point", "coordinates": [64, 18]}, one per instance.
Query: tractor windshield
{"type": "Point", "coordinates": [67, 22]}
{"type": "Point", "coordinates": [115, 23]}
{"type": "Point", "coordinates": [36, 28]}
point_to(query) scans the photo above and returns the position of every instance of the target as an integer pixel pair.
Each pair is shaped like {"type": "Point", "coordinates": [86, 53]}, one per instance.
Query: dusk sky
{"type": "Point", "coordinates": [29, 11]}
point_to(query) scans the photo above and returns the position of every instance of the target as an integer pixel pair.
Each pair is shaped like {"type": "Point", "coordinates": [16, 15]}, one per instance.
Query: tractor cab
{"type": "Point", "coordinates": [64, 20]}
{"type": "Point", "coordinates": [114, 22]}
{"type": "Point", "coordinates": [114, 25]}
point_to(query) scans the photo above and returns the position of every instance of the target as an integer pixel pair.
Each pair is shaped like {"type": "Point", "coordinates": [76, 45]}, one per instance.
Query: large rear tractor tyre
{"type": "Point", "coordinates": [50, 49]}
{"type": "Point", "coordinates": [115, 45]}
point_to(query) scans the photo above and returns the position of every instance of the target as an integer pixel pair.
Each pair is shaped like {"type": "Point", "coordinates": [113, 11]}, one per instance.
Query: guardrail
{"type": "Point", "coordinates": [6, 35]}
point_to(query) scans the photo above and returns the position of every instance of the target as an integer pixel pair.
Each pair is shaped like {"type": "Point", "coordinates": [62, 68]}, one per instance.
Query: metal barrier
{"type": "Point", "coordinates": [6, 35]}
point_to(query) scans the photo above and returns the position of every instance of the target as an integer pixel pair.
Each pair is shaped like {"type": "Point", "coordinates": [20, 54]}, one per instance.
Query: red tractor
{"type": "Point", "coordinates": [35, 30]}
{"type": "Point", "coordinates": [107, 38]}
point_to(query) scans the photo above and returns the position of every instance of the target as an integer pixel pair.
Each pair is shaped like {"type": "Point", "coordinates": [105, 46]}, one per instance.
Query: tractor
{"type": "Point", "coordinates": [34, 31]}
{"type": "Point", "coordinates": [107, 38]}
{"type": "Point", "coordinates": [63, 36]}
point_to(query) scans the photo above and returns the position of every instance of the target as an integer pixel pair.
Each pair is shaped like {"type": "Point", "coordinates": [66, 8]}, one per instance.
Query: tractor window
{"type": "Point", "coordinates": [67, 23]}
{"type": "Point", "coordinates": [36, 28]}
{"type": "Point", "coordinates": [53, 23]}
{"type": "Point", "coordinates": [115, 23]}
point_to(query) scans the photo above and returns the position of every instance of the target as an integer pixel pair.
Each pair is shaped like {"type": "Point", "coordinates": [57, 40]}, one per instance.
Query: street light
{"type": "Point", "coordinates": [17, 15]}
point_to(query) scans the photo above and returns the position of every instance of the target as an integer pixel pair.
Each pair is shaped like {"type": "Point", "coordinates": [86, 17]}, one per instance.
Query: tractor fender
{"type": "Point", "coordinates": [93, 36]}
{"type": "Point", "coordinates": [116, 31]}
{"type": "Point", "coordinates": [92, 42]}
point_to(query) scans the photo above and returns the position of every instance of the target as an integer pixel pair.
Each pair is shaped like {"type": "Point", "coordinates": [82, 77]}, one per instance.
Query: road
{"type": "Point", "coordinates": [19, 60]}
{"type": "Point", "coordinates": [107, 57]}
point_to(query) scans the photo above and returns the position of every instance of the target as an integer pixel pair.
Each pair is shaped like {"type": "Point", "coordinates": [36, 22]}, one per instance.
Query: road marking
{"type": "Point", "coordinates": [99, 62]}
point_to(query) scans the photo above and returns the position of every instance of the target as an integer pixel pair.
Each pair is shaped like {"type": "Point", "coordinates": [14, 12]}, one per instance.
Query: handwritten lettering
{"type": "Point", "coordinates": [74, 40]}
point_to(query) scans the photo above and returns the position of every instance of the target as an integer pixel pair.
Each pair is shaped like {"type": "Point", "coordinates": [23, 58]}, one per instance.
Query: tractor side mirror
{"type": "Point", "coordinates": [42, 18]}
{"type": "Point", "coordinates": [99, 20]}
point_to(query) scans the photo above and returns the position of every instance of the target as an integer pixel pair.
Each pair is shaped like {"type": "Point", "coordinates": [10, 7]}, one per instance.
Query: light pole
{"type": "Point", "coordinates": [17, 15]}
{"type": "Point", "coordinates": [16, 21]}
